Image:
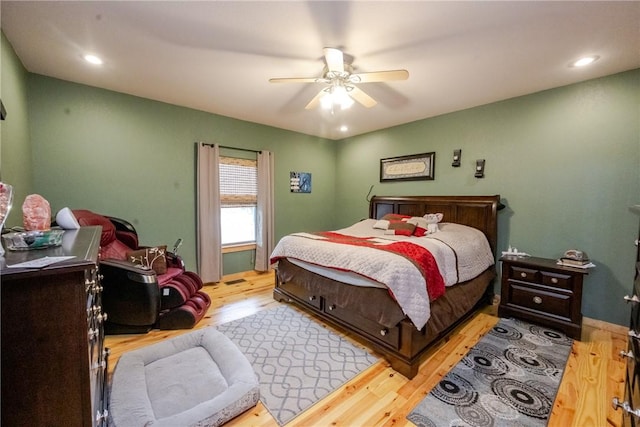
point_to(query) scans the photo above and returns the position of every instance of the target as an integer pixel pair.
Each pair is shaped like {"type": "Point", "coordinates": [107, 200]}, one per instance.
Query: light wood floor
{"type": "Point", "coordinates": [381, 397]}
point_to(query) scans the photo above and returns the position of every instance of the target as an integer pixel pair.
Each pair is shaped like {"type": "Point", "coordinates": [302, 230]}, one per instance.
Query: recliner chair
{"type": "Point", "coordinates": [136, 297]}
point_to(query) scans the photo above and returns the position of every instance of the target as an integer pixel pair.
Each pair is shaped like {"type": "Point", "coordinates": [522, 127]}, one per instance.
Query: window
{"type": "Point", "coordinates": [238, 199]}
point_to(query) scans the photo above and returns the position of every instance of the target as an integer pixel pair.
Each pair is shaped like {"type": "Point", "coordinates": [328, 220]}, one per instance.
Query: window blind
{"type": "Point", "coordinates": [238, 182]}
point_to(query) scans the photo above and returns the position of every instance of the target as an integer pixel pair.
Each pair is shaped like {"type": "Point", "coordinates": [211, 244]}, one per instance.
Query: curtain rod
{"type": "Point", "coordinates": [233, 148]}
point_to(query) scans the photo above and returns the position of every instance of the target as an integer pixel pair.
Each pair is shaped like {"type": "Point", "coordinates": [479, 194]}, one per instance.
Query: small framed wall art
{"type": "Point", "coordinates": [300, 182]}
{"type": "Point", "coordinates": [408, 168]}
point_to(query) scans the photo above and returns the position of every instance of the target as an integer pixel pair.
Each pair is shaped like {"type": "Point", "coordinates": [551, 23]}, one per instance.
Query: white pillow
{"type": "Point", "coordinates": [66, 219]}
{"type": "Point", "coordinates": [382, 224]}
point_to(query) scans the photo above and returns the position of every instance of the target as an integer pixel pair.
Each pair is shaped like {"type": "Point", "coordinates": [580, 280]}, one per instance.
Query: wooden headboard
{"type": "Point", "coordinates": [475, 211]}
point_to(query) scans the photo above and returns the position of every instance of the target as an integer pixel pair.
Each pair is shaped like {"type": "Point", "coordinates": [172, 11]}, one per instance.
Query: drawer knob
{"type": "Point", "coordinates": [523, 274]}
{"type": "Point", "coordinates": [634, 298]}
{"type": "Point", "coordinates": [384, 332]}
{"type": "Point", "coordinates": [312, 298]}
{"type": "Point", "coordinates": [554, 280]}
{"type": "Point", "coordinates": [537, 300]}
{"type": "Point", "coordinates": [332, 307]}
{"type": "Point", "coordinates": [625, 407]}
{"type": "Point", "coordinates": [633, 334]}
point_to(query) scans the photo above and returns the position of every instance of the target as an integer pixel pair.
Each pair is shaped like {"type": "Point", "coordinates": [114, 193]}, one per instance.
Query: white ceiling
{"type": "Point", "coordinates": [217, 56]}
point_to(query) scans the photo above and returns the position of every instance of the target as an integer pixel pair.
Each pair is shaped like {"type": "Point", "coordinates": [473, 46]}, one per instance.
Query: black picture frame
{"type": "Point", "coordinates": [415, 167]}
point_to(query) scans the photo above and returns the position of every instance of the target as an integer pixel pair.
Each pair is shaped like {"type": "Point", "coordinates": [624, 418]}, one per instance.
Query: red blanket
{"type": "Point", "coordinates": [419, 256]}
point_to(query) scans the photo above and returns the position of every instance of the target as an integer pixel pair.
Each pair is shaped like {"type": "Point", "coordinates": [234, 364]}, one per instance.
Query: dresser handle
{"type": "Point", "coordinates": [634, 298]}
{"type": "Point", "coordinates": [554, 280]}
{"type": "Point", "coordinates": [633, 334]}
{"type": "Point", "coordinates": [383, 332]}
{"type": "Point", "coordinates": [628, 354]}
{"type": "Point", "coordinates": [537, 300]}
{"type": "Point", "coordinates": [332, 307]}
{"type": "Point", "coordinates": [312, 298]}
{"type": "Point", "coordinates": [523, 274]}
{"type": "Point", "coordinates": [625, 407]}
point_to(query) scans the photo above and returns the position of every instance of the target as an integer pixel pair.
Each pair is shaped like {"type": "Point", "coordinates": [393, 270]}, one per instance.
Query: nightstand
{"type": "Point", "coordinates": [540, 291]}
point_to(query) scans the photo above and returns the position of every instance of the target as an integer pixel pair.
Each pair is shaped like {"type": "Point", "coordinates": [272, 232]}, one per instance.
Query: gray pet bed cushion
{"type": "Point", "coordinates": [197, 379]}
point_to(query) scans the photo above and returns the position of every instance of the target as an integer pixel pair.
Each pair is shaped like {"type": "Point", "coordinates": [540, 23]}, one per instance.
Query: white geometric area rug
{"type": "Point", "coordinates": [509, 378]}
{"type": "Point", "coordinates": [298, 361]}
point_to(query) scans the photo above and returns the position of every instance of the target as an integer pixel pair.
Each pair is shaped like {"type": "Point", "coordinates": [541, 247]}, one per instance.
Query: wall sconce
{"type": "Point", "coordinates": [457, 154]}
{"type": "Point", "coordinates": [479, 168]}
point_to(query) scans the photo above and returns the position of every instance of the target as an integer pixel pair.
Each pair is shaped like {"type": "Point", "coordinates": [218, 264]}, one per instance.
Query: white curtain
{"type": "Point", "coordinates": [265, 211]}
{"type": "Point", "coordinates": [208, 219]}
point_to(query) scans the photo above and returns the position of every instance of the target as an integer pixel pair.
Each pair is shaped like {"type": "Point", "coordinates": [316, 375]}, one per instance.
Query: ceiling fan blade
{"type": "Point", "coordinates": [361, 97]}
{"type": "Point", "coordinates": [379, 76]}
{"type": "Point", "coordinates": [295, 80]}
{"type": "Point", "coordinates": [315, 101]}
{"type": "Point", "coordinates": [334, 58]}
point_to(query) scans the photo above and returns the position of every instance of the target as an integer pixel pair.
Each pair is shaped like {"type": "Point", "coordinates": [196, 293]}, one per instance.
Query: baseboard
{"type": "Point", "coordinates": [605, 326]}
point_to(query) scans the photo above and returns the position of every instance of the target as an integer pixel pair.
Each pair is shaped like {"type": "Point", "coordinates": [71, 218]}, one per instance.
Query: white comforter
{"type": "Point", "coordinates": [461, 253]}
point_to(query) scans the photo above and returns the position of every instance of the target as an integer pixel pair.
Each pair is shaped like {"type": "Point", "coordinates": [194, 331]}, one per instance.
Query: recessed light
{"type": "Point", "coordinates": [584, 61]}
{"type": "Point", "coordinates": [93, 59]}
{"type": "Point", "coordinates": [343, 128]}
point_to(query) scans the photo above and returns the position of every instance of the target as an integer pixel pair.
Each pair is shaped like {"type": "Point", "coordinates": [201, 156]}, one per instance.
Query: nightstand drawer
{"type": "Point", "coordinates": [546, 302]}
{"type": "Point", "coordinates": [557, 280]}
{"type": "Point", "coordinates": [524, 274]}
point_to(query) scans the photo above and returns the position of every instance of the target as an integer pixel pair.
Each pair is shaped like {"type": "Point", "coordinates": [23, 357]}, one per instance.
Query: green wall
{"type": "Point", "coordinates": [565, 161]}
{"type": "Point", "coordinates": [16, 165]}
{"type": "Point", "coordinates": [134, 158]}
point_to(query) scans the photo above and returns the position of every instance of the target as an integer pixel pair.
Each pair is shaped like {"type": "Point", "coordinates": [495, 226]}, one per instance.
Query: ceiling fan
{"type": "Point", "coordinates": [342, 81]}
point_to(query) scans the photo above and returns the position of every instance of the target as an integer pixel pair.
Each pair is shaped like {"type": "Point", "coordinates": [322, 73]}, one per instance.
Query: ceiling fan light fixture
{"type": "Point", "coordinates": [326, 102]}
{"type": "Point", "coordinates": [342, 90]}
{"type": "Point", "coordinates": [336, 95]}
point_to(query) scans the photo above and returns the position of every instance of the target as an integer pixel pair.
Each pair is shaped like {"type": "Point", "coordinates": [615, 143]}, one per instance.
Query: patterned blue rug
{"type": "Point", "coordinates": [298, 361]}
{"type": "Point", "coordinates": [510, 378]}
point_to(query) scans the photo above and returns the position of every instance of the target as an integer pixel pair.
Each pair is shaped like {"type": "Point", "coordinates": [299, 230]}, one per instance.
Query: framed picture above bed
{"type": "Point", "coordinates": [408, 168]}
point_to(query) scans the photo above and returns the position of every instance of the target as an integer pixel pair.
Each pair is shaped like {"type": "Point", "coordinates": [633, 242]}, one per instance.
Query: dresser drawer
{"type": "Point", "coordinates": [540, 300]}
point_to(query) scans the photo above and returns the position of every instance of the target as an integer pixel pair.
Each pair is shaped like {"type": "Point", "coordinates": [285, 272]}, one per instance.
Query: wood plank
{"type": "Point", "coordinates": [381, 397]}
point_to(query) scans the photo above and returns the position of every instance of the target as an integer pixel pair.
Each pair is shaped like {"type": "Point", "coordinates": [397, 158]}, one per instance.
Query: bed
{"type": "Point", "coordinates": [389, 317]}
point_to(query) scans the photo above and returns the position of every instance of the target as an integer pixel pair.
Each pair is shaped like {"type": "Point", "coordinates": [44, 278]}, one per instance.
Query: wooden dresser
{"type": "Point", "coordinates": [631, 403]}
{"type": "Point", "coordinates": [54, 362]}
{"type": "Point", "coordinates": [540, 291]}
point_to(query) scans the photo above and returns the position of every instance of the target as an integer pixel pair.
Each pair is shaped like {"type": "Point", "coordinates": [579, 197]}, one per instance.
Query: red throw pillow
{"type": "Point", "coordinates": [400, 228]}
